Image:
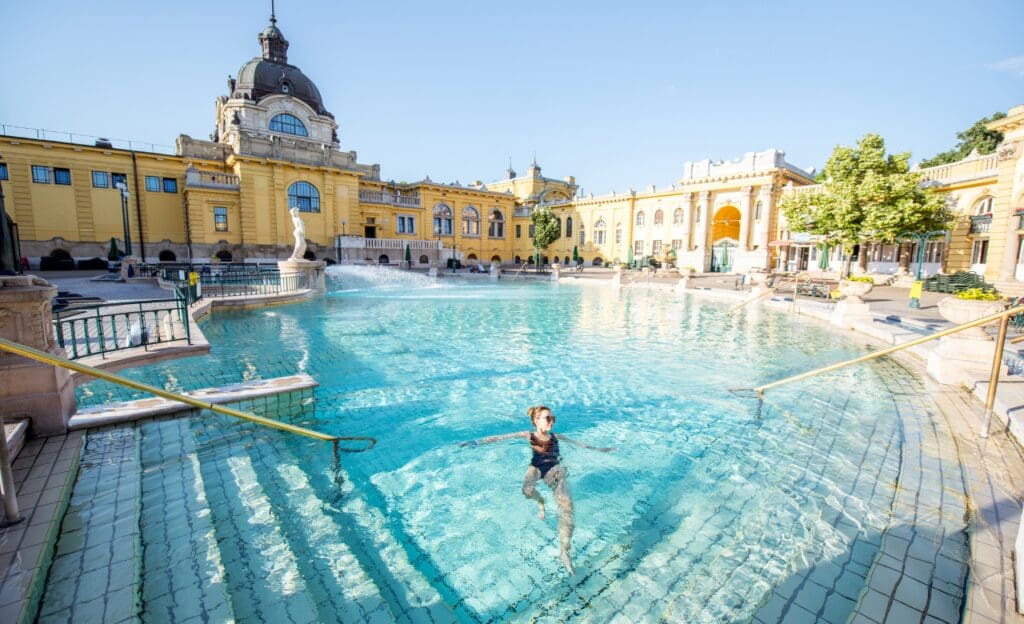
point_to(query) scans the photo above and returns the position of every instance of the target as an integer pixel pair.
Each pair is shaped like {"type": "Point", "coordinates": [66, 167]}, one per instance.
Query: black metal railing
{"type": "Point", "coordinates": [101, 329]}
{"type": "Point", "coordinates": [981, 224]}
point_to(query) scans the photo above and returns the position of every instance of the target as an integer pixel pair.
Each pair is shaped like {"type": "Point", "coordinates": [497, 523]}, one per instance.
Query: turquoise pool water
{"type": "Point", "coordinates": [707, 507]}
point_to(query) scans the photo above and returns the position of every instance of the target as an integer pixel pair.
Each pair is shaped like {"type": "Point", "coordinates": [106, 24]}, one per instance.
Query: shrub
{"type": "Point", "coordinates": [979, 294]}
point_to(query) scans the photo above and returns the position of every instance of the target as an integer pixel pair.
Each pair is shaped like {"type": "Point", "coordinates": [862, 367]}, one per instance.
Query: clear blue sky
{"type": "Point", "coordinates": [618, 94]}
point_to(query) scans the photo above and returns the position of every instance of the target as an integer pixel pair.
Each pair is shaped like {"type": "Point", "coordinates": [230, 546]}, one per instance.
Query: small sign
{"type": "Point", "coordinates": [915, 289]}
{"type": "Point", "coordinates": [193, 278]}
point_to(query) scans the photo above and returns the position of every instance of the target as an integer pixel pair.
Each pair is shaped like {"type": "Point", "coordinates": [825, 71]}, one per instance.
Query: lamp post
{"type": "Point", "coordinates": [921, 239]}
{"type": "Point", "coordinates": [121, 186]}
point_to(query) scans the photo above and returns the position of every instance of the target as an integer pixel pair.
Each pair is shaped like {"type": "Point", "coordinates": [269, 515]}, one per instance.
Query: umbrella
{"type": "Point", "coordinates": [408, 256]}
{"type": "Point", "coordinates": [724, 260]}
{"type": "Point", "coordinates": [823, 260]}
{"type": "Point", "coordinates": [114, 254]}
{"type": "Point", "coordinates": [575, 253]}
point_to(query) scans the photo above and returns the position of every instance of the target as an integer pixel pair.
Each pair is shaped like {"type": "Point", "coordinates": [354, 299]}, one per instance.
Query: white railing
{"type": "Point", "coordinates": [969, 168]}
{"type": "Point", "coordinates": [358, 242]}
{"type": "Point", "coordinates": [210, 179]}
{"type": "Point", "coordinates": [389, 198]}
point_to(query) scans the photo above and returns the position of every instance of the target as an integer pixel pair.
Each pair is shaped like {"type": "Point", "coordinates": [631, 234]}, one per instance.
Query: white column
{"type": "Point", "coordinates": [745, 218]}
{"type": "Point", "coordinates": [687, 207]}
{"type": "Point", "coordinates": [761, 231]}
{"type": "Point", "coordinates": [701, 244]}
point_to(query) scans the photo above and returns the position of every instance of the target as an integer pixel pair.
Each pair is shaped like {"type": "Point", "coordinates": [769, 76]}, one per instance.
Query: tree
{"type": "Point", "coordinates": [866, 196]}
{"type": "Point", "coordinates": [977, 137]}
{"type": "Point", "coordinates": [546, 230]}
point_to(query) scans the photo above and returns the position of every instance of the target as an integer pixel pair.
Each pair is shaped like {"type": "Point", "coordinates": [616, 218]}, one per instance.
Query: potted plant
{"type": "Point", "coordinates": [970, 305]}
{"type": "Point", "coordinates": [855, 287]}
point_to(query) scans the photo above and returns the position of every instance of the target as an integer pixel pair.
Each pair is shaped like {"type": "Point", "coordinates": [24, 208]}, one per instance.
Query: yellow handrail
{"type": "Point", "coordinates": [770, 291]}
{"type": "Point", "coordinates": [1005, 314]}
{"type": "Point", "coordinates": [35, 354]}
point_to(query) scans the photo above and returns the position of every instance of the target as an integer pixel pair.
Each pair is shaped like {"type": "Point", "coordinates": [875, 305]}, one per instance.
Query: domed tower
{"type": "Point", "coordinates": [273, 110]}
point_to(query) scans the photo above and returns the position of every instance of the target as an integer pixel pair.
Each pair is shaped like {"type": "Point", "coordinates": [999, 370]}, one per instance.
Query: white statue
{"type": "Point", "coordinates": [300, 235]}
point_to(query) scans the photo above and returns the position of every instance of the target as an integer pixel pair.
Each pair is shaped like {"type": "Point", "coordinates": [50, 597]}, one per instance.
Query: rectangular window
{"type": "Point", "coordinates": [170, 185]}
{"type": "Point", "coordinates": [153, 184]}
{"type": "Point", "coordinates": [638, 247]}
{"type": "Point", "coordinates": [519, 230]}
{"type": "Point", "coordinates": [677, 244]}
{"type": "Point", "coordinates": [62, 176]}
{"type": "Point", "coordinates": [118, 178]}
{"type": "Point", "coordinates": [3, 171]}
{"type": "Point", "coordinates": [530, 231]}
{"type": "Point", "coordinates": [100, 179]}
{"type": "Point", "coordinates": [618, 235]}
{"type": "Point", "coordinates": [220, 219]}
{"type": "Point", "coordinates": [40, 175]}
{"type": "Point", "coordinates": [406, 225]}
{"type": "Point", "coordinates": [979, 254]}
{"type": "Point", "coordinates": [655, 247]}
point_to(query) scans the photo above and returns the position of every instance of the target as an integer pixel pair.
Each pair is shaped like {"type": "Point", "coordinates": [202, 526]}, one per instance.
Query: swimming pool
{"type": "Point", "coordinates": [709, 510]}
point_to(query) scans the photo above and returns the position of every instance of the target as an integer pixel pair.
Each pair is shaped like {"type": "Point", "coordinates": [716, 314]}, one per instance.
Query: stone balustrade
{"type": "Point", "coordinates": [389, 198]}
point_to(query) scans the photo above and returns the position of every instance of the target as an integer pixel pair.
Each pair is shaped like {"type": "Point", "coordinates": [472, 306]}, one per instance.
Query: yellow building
{"type": "Point", "coordinates": [275, 146]}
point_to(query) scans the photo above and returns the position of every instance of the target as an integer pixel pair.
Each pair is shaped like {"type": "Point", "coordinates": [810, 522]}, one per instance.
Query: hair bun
{"type": "Point", "coordinates": [532, 411]}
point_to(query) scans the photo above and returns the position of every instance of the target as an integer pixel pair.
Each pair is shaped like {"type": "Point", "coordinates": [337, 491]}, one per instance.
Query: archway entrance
{"type": "Point", "coordinates": [725, 234]}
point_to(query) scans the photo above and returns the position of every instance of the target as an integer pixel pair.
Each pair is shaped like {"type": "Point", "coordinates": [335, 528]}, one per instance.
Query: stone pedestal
{"type": "Point", "coordinates": [850, 311]}
{"type": "Point", "coordinates": [129, 267]}
{"type": "Point", "coordinates": [495, 271]}
{"type": "Point", "coordinates": [314, 270]}
{"type": "Point", "coordinates": [958, 359]}
{"type": "Point", "coordinates": [43, 393]}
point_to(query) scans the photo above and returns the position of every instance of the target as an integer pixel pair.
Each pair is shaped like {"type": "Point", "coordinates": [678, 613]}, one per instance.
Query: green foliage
{"type": "Point", "coordinates": [113, 255]}
{"type": "Point", "coordinates": [977, 137]}
{"type": "Point", "coordinates": [867, 195]}
{"type": "Point", "coordinates": [979, 294]}
{"type": "Point", "coordinates": [546, 228]}
{"type": "Point", "coordinates": [860, 278]}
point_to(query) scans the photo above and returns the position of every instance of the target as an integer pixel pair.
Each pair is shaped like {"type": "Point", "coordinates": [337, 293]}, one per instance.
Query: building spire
{"type": "Point", "coordinates": [273, 18]}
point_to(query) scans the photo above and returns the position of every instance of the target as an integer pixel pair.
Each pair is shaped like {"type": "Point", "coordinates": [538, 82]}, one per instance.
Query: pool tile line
{"type": "Point", "coordinates": [44, 475]}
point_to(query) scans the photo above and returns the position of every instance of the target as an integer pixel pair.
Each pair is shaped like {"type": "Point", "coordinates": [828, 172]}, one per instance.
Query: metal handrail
{"type": "Point", "coordinates": [1003, 318]}
{"type": "Point", "coordinates": [39, 356]}
{"type": "Point", "coordinates": [745, 302]}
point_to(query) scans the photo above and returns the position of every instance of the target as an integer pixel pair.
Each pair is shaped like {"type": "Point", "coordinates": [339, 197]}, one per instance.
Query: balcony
{"type": "Point", "coordinates": [390, 199]}
{"type": "Point", "coordinates": [981, 224]}
{"type": "Point", "coordinates": [195, 178]}
{"type": "Point", "coordinates": [971, 168]}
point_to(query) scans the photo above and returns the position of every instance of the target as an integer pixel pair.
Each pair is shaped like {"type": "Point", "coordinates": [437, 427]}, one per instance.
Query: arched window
{"type": "Point", "coordinates": [599, 232]}
{"type": "Point", "coordinates": [984, 206]}
{"type": "Point", "coordinates": [383, 259]}
{"type": "Point", "coordinates": [597, 262]}
{"type": "Point", "coordinates": [288, 124]}
{"type": "Point", "coordinates": [583, 236]}
{"type": "Point", "coordinates": [424, 260]}
{"type": "Point", "coordinates": [659, 217]}
{"type": "Point", "coordinates": [470, 221]}
{"type": "Point", "coordinates": [167, 256]}
{"type": "Point", "coordinates": [224, 255]}
{"type": "Point", "coordinates": [442, 220]}
{"type": "Point", "coordinates": [758, 209]}
{"type": "Point", "coordinates": [496, 260]}
{"type": "Point", "coordinates": [304, 196]}
{"type": "Point", "coordinates": [517, 260]}
{"type": "Point", "coordinates": [568, 227]}
{"type": "Point", "coordinates": [640, 218]}
{"type": "Point", "coordinates": [496, 224]}
{"type": "Point", "coordinates": [309, 255]}
{"type": "Point", "coordinates": [677, 216]}
{"type": "Point", "coordinates": [471, 256]}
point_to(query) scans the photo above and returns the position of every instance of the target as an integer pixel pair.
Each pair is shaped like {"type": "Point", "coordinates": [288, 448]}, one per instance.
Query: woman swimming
{"type": "Point", "coordinates": [546, 465]}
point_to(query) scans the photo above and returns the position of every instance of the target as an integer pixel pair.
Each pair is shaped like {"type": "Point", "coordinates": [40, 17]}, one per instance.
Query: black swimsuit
{"type": "Point", "coordinates": [546, 459]}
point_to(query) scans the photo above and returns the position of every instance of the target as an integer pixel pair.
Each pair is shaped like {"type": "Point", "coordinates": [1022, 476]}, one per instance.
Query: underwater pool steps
{"type": "Point", "coordinates": [35, 354]}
